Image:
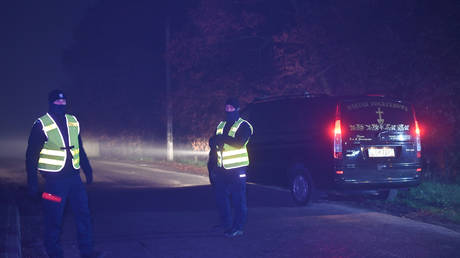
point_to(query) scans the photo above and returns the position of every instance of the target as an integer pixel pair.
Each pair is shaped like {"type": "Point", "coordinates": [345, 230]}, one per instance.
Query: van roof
{"type": "Point", "coordinates": [290, 96]}
{"type": "Point", "coordinates": [338, 98]}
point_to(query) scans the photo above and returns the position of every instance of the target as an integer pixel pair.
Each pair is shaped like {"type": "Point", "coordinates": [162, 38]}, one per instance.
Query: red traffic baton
{"type": "Point", "coordinates": [53, 198]}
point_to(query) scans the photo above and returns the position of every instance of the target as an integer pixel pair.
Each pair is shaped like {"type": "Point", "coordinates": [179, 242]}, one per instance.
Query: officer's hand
{"type": "Point", "coordinates": [226, 138]}
{"type": "Point", "coordinates": [219, 139]}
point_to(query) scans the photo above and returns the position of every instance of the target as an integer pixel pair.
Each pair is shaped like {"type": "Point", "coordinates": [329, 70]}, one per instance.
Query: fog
{"type": "Point", "coordinates": [14, 146]}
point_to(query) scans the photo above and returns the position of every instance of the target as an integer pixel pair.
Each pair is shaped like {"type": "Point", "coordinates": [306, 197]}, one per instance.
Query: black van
{"type": "Point", "coordinates": [308, 142]}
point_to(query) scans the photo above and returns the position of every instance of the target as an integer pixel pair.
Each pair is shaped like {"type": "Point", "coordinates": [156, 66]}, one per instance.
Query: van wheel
{"type": "Point", "coordinates": [301, 187]}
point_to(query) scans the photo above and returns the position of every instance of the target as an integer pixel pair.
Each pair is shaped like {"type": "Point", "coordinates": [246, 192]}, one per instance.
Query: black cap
{"type": "Point", "coordinates": [55, 95]}
{"type": "Point", "coordinates": [234, 102]}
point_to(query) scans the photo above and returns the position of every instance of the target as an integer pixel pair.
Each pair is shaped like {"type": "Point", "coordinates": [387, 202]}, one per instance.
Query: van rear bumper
{"type": "Point", "coordinates": [379, 176]}
{"type": "Point", "coordinates": [355, 184]}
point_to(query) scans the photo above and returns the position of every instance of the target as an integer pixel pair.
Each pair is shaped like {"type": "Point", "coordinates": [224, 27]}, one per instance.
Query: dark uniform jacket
{"type": "Point", "coordinates": [36, 141]}
{"type": "Point", "coordinates": [241, 137]}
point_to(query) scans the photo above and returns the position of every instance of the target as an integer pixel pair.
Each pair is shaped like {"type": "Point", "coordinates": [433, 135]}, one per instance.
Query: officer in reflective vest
{"type": "Point", "coordinates": [55, 149]}
{"type": "Point", "coordinates": [229, 173]}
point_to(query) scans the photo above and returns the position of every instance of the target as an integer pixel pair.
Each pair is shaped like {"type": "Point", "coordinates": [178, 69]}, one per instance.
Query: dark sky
{"type": "Point", "coordinates": [34, 34]}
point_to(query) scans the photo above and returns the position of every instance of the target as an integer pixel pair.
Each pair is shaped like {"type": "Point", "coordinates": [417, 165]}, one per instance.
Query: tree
{"type": "Point", "coordinates": [219, 54]}
{"type": "Point", "coordinates": [406, 49]}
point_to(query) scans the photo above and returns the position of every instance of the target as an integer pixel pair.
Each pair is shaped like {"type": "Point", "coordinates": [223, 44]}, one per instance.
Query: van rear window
{"type": "Point", "coordinates": [372, 116]}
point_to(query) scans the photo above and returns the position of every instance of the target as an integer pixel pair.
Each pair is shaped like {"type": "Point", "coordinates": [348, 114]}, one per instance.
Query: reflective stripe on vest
{"type": "Point", "coordinates": [53, 156]}
{"type": "Point", "coordinates": [232, 157]}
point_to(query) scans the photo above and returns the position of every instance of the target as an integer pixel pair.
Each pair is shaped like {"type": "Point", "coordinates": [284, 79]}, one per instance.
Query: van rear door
{"type": "Point", "coordinates": [378, 140]}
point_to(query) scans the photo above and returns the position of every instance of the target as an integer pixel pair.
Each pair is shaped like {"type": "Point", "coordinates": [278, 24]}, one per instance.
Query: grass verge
{"type": "Point", "coordinates": [431, 202]}
{"type": "Point", "coordinates": [438, 200]}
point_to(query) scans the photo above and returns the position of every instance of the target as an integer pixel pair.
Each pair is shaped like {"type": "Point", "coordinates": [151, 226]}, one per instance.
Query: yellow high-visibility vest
{"type": "Point", "coordinates": [232, 157]}
{"type": "Point", "coordinates": [53, 154]}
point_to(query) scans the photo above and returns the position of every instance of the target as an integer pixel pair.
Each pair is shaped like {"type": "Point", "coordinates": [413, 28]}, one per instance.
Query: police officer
{"type": "Point", "coordinates": [229, 174]}
{"type": "Point", "coordinates": [55, 149]}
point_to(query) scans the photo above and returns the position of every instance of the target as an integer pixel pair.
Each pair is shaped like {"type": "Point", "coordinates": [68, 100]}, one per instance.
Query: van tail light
{"type": "Point", "coordinates": [337, 140]}
{"type": "Point", "coordinates": [417, 140]}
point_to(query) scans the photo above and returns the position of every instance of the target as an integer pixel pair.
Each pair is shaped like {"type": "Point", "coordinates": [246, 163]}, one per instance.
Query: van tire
{"type": "Point", "coordinates": [301, 186]}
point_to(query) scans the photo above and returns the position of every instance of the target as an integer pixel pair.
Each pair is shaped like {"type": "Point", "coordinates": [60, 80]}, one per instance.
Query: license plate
{"type": "Point", "coordinates": [380, 152]}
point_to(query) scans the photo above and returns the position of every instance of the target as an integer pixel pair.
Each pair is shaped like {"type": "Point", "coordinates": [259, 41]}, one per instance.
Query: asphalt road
{"type": "Point", "coordinates": [139, 211]}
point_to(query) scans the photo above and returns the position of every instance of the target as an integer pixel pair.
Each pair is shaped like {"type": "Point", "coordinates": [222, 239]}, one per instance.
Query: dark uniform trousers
{"type": "Point", "coordinates": [230, 187]}
{"type": "Point", "coordinates": [71, 189]}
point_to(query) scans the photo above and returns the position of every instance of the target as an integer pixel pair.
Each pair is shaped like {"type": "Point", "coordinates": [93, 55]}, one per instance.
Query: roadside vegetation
{"type": "Point", "coordinates": [432, 202]}
{"type": "Point", "coordinates": [432, 199]}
